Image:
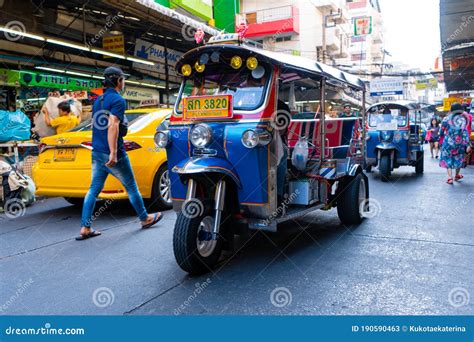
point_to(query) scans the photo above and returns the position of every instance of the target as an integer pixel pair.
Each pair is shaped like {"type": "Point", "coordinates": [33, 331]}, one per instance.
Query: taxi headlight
{"type": "Point", "coordinates": [256, 137]}
{"type": "Point", "coordinates": [200, 135]}
{"type": "Point", "coordinates": [162, 139]}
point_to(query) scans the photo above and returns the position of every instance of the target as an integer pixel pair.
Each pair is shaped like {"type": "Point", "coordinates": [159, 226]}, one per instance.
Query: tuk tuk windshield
{"type": "Point", "coordinates": [388, 118]}
{"type": "Point", "coordinates": [247, 87]}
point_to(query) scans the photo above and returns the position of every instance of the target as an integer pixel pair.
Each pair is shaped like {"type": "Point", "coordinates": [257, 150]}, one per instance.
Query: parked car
{"type": "Point", "coordinates": [64, 164]}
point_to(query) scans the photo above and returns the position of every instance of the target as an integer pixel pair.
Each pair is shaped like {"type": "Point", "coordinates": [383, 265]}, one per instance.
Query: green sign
{"type": "Point", "coordinates": [362, 26]}
{"type": "Point", "coordinates": [9, 78]}
{"type": "Point", "coordinates": [39, 79]}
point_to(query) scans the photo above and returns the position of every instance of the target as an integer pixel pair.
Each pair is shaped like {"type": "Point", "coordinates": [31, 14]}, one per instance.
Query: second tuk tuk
{"type": "Point", "coordinates": [394, 137]}
{"type": "Point", "coordinates": [240, 156]}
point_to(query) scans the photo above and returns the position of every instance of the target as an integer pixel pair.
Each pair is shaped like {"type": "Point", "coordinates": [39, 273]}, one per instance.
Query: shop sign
{"type": "Point", "coordinates": [362, 26]}
{"type": "Point", "coordinates": [140, 94]}
{"type": "Point", "coordinates": [386, 86]}
{"type": "Point", "coordinates": [115, 44]}
{"type": "Point", "coordinates": [448, 101]}
{"type": "Point", "coordinates": [9, 78]}
{"type": "Point", "coordinates": [156, 53]}
{"type": "Point", "coordinates": [35, 79]}
{"type": "Point", "coordinates": [428, 83]}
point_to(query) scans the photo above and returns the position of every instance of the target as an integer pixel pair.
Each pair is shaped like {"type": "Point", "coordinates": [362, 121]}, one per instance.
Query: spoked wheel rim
{"type": "Point", "coordinates": [363, 203]}
{"type": "Point", "coordinates": [165, 187]}
{"type": "Point", "coordinates": [205, 245]}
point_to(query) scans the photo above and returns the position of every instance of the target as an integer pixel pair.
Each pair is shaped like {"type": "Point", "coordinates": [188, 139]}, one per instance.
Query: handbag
{"type": "Point", "coordinates": [123, 127]}
{"type": "Point", "coordinates": [428, 136]}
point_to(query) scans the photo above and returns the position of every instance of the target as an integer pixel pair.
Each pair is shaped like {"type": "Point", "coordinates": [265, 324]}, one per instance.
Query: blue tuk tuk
{"type": "Point", "coordinates": [394, 137]}
{"type": "Point", "coordinates": [242, 158]}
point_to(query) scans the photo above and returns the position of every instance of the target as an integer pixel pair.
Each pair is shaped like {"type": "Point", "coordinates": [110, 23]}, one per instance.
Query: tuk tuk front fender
{"type": "Point", "coordinates": [207, 165]}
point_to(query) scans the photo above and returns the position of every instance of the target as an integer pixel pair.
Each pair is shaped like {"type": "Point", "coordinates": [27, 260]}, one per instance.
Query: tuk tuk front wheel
{"type": "Point", "coordinates": [420, 165]}
{"type": "Point", "coordinates": [384, 167]}
{"type": "Point", "coordinates": [353, 199]}
{"type": "Point", "coordinates": [194, 249]}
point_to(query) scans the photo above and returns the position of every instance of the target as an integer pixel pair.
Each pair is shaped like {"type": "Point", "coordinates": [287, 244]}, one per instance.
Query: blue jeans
{"type": "Point", "coordinates": [124, 173]}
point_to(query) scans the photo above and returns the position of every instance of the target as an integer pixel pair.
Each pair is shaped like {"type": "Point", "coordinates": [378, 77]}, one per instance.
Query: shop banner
{"type": "Point", "coordinates": [448, 101]}
{"type": "Point", "coordinates": [156, 53]}
{"type": "Point", "coordinates": [37, 79]}
{"type": "Point", "coordinates": [115, 44]}
{"type": "Point", "coordinates": [9, 78]}
{"type": "Point", "coordinates": [226, 328]}
{"type": "Point", "coordinates": [362, 26]}
{"type": "Point", "coordinates": [140, 94]}
{"type": "Point", "coordinates": [429, 83]}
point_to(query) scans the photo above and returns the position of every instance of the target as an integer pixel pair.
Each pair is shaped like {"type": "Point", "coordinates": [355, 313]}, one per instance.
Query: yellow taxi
{"type": "Point", "coordinates": [64, 164]}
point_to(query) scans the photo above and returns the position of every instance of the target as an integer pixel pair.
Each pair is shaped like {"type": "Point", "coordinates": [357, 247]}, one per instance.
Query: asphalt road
{"type": "Point", "coordinates": [413, 257]}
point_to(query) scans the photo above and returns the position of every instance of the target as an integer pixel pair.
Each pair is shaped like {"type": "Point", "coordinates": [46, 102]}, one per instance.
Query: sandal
{"type": "Point", "coordinates": [458, 177]}
{"type": "Point", "coordinates": [449, 181]}
{"type": "Point", "coordinates": [91, 234]}
{"type": "Point", "coordinates": [156, 219]}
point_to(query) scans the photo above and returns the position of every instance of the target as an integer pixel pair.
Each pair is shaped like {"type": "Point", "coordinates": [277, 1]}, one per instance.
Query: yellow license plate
{"type": "Point", "coordinates": [65, 154]}
{"type": "Point", "coordinates": [207, 107]}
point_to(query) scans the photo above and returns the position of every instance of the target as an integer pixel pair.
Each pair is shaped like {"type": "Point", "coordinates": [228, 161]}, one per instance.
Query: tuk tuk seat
{"type": "Point", "coordinates": [339, 133]}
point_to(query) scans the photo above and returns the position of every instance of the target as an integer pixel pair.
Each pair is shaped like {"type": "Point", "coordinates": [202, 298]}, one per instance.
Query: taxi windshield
{"type": "Point", "coordinates": [388, 118]}
{"type": "Point", "coordinates": [247, 87]}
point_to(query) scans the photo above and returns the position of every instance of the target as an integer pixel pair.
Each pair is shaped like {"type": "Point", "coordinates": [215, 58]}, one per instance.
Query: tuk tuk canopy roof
{"type": "Point", "coordinates": [296, 63]}
{"type": "Point", "coordinates": [400, 103]}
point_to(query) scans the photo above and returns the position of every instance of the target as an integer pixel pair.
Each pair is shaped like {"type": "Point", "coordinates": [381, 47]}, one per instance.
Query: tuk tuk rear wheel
{"type": "Point", "coordinates": [353, 200]}
{"type": "Point", "coordinates": [384, 167]}
{"type": "Point", "coordinates": [420, 165]}
{"type": "Point", "coordinates": [194, 250]}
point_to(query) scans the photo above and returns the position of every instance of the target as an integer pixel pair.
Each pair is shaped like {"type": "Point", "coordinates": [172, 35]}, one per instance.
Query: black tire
{"type": "Point", "coordinates": [75, 201]}
{"type": "Point", "coordinates": [185, 240]}
{"type": "Point", "coordinates": [157, 200]}
{"type": "Point", "coordinates": [384, 167]}
{"type": "Point", "coordinates": [349, 203]}
{"type": "Point", "coordinates": [419, 165]}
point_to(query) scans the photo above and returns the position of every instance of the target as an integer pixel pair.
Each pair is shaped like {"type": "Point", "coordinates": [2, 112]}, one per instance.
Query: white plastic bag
{"type": "Point", "coordinates": [51, 105]}
{"type": "Point", "coordinates": [299, 158]}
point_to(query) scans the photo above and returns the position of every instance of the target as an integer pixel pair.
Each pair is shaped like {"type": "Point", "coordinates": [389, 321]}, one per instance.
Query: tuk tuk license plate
{"type": "Point", "coordinates": [65, 154]}
{"type": "Point", "coordinates": [207, 107]}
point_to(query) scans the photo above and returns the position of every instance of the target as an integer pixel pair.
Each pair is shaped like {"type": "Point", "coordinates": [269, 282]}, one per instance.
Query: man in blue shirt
{"type": "Point", "coordinates": [109, 126]}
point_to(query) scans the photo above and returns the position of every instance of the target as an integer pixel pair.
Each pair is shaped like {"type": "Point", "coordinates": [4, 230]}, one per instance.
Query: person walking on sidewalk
{"type": "Point", "coordinates": [455, 142]}
{"type": "Point", "coordinates": [109, 126]}
{"type": "Point", "coordinates": [433, 131]}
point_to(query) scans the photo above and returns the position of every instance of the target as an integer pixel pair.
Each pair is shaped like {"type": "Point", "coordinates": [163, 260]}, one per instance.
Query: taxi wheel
{"type": "Point", "coordinates": [75, 201]}
{"type": "Point", "coordinates": [384, 167]}
{"type": "Point", "coordinates": [161, 193]}
{"type": "Point", "coordinates": [194, 250]}
{"type": "Point", "coordinates": [353, 200]}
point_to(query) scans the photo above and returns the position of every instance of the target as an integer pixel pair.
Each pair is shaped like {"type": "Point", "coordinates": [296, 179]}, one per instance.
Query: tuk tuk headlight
{"type": "Point", "coordinates": [406, 135]}
{"type": "Point", "coordinates": [162, 139]}
{"type": "Point", "coordinates": [256, 137]}
{"type": "Point", "coordinates": [200, 135]}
